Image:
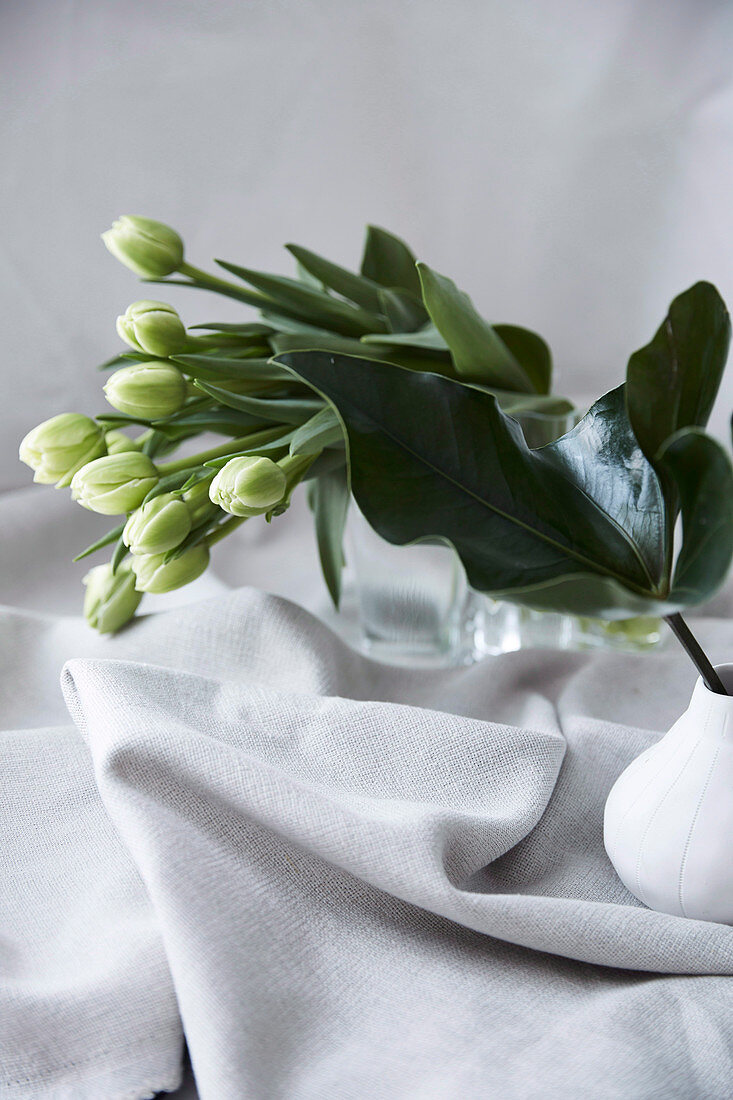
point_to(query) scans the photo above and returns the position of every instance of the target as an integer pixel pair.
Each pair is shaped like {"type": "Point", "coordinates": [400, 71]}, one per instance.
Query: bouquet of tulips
{"type": "Point", "coordinates": [388, 384]}
{"type": "Point", "coordinates": [170, 385]}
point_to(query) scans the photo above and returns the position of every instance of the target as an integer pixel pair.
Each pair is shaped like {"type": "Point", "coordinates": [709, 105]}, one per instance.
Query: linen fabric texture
{"type": "Point", "coordinates": [335, 877]}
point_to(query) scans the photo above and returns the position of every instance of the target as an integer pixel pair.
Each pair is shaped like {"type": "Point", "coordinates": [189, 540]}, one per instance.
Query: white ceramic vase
{"type": "Point", "coordinates": [668, 824]}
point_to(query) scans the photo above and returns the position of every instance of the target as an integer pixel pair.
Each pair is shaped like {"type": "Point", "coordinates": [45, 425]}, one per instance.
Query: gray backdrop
{"type": "Point", "coordinates": [570, 164]}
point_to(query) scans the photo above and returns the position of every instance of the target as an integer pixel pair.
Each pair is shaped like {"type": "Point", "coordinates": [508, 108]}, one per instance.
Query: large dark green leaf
{"type": "Point", "coordinates": [357, 288]}
{"type": "Point", "coordinates": [389, 261]}
{"type": "Point", "coordinates": [479, 354]}
{"type": "Point", "coordinates": [579, 525]}
{"type": "Point", "coordinates": [673, 381]}
{"type": "Point", "coordinates": [704, 479]}
{"type": "Point", "coordinates": [313, 306]}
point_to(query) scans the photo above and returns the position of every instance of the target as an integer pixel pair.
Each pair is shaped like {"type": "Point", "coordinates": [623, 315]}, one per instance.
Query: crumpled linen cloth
{"type": "Point", "coordinates": [335, 877]}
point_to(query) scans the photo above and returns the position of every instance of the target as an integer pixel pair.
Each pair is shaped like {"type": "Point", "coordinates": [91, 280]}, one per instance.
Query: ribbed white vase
{"type": "Point", "coordinates": [668, 824]}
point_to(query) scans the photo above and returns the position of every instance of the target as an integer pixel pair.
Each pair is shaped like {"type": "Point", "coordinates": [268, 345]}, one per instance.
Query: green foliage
{"type": "Point", "coordinates": [413, 411]}
{"type": "Point", "coordinates": [582, 525]}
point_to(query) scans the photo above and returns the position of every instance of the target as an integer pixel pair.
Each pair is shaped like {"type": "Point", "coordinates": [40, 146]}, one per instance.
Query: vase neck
{"type": "Point", "coordinates": [713, 713]}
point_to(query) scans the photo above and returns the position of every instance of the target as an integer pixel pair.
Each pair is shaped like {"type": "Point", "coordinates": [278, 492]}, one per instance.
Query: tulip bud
{"type": "Point", "coordinates": [158, 526]}
{"type": "Point", "coordinates": [147, 247]}
{"type": "Point", "coordinates": [148, 390]}
{"type": "Point", "coordinates": [59, 447]}
{"type": "Point", "coordinates": [248, 486]}
{"type": "Point", "coordinates": [152, 327]}
{"type": "Point", "coordinates": [114, 484]}
{"type": "Point", "coordinates": [154, 574]}
{"type": "Point", "coordinates": [111, 598]}
{"type": "Point", "coordinates": [117, 442]}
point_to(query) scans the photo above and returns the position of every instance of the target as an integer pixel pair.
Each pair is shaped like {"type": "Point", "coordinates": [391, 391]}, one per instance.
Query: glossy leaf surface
{"type": "Point", "coordinates": [672, 382]}
{"type": "Point", "coordinates": [579, 525]}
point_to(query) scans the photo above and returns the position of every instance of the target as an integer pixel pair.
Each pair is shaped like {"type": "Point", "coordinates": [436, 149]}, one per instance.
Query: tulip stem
{"type": "Point", "coordinates": [225, 529]}
{"type": "Point", "coordinates": [696, 653]}
{"type": "Point", "coordinates": [243, 442]}
{"type": "Point", "coordinates": [223, 286]}
{"type": "Point", "coordinates": [294, 467]}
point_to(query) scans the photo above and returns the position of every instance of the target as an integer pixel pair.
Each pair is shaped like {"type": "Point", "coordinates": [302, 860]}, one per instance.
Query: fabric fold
{"type": "Point", "coordinates": [245, 808]}
{"type": "Point", "coordinates": [87, 1007]}
{"type": "Point", "coordinates": [337, 878]}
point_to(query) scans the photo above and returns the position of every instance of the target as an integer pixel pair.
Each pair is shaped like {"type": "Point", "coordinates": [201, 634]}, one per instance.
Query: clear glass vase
{"type": "Point", "coordinates": [413, 604]}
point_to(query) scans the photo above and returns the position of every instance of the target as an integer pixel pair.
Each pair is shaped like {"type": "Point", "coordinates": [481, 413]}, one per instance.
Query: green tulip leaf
{"type": "Point", "coordinates": [357, 288]}
{"type": "Point", "coordinates": [219, 368]}
{"type": "Point", "coordinates": [387, 260]}
{"type": "Point", "coordinates": [177, 482]}
{"type": "Point", "coordinates": [118, 360]}
{"type": "Point", "coordinates": [304, 276]}
{"type": "Point", "coordinates": [311, 305]}
{"type": "Point", "coordinates": [321, 431]}
{"type": "Point", "coordinates": [409, 358]}
{"type": "Point", "coordinates": [249, 328]}
{"type": "Point", "coordinates": [275, 449]}
{"type": "Point", "coordinates": [295, 326]}
{"type": "Point", "coordinates": [479, 354]}
{"type": "Point", "coordinates": [281, 410]}
{"type": "Point", "coordinates": [226, 421]}
{"type": "Point", "coordinates": [329, 499]}
{"type": "Point", "coordinates": [119, 554]}
{"type": "Point", "coordinates": [105, 540]}
{"type": "Point", "coordinates": [531, 352]}
{"type": "Point", "coordinates": [404, 312]}
{"type": "Point", "coordinates": [121, 420]}
{"type": "Point", "coordinates": [426, 338]}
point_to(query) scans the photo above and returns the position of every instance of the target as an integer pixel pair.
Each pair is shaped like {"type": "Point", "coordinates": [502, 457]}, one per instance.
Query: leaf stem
{"type": "Point", "coordinates": [696, 653]}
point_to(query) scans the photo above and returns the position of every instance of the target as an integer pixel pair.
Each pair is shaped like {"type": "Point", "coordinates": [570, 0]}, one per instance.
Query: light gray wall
{"type": "Point", "coordinates": [569, 163]}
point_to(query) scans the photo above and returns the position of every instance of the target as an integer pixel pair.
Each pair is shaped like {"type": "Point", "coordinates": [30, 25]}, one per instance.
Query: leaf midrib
{"type": "Point", "coordinates": [594, 566]}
